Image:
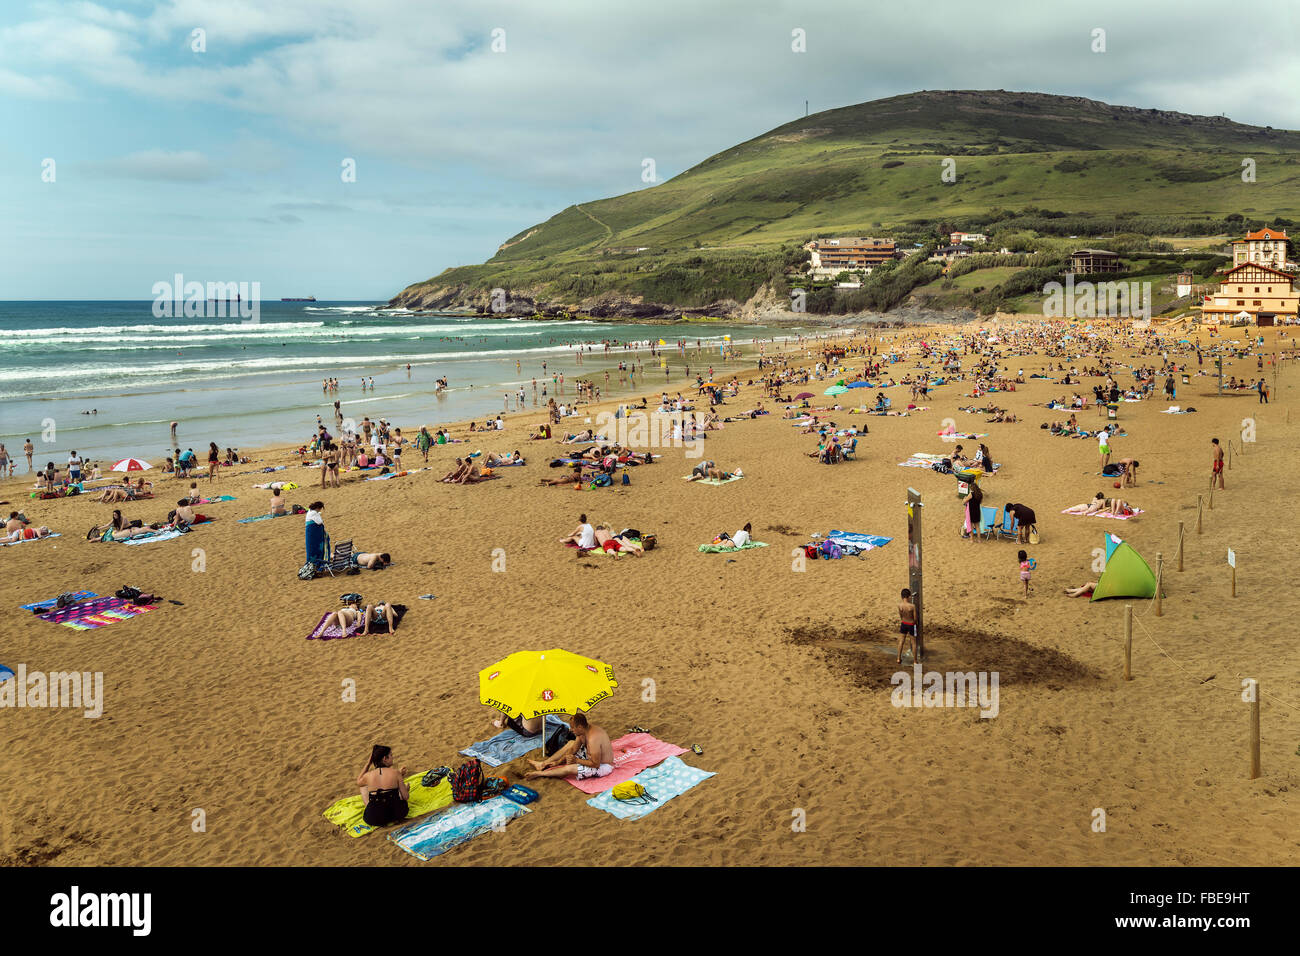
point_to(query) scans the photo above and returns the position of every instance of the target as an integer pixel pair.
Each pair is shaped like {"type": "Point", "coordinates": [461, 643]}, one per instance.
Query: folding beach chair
{"type": "Point", "coordinates": [340, 560]}
{"type": "Point", "coordinates": [1010, 527]}
{"type": "Point", "coordinates": [988, 522]}
{"type": "Point", "coordinates": [850, 450]}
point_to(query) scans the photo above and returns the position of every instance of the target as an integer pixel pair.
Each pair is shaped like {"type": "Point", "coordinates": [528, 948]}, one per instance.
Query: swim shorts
{"type": "Point", "coordinates": [604, 770]}
{"type": "Point", "coordinates": [908, 628]}
{"type": "Point", "coordinates": [1104, 449]}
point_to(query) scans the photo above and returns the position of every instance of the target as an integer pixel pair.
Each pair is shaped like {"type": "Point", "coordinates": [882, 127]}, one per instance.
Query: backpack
{"type": "Point", "coordinates": [629, 791]}
{"type": "Point", "coordinates": [467, 781]}
{"type": "Point", "coordinates": [811, 551]}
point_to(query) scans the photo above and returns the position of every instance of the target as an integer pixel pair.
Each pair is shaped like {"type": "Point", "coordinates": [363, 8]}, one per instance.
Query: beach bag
{"type": "Point", "coordinates": [1033, 534]}
{"type": "Point", "coordinates": [811, 551]}
{"type": "Point", "coordinates": [307, 571]}
{"type": "Point", "coordinates": [629, 791]}
{"type": "Point", "coordinates": [467, 781]}
{"type": "Point", "coordinates": [558, 739]}
{"type": "Point", "coordinates": [520, 794]}
{"type": "Point", "coordinates": [1113, 471]}
{"type": "Point", "coordinates": [648, 542]}
{"type": "Point", "coordinates": [626, 479]}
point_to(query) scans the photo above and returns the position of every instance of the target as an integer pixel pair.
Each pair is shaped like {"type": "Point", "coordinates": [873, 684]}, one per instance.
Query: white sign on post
{"type": "Point", "coordinates": [1232, 558]}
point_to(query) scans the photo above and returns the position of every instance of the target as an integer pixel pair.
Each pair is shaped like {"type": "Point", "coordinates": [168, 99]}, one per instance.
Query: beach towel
{"type": "Point", "coordinates": [439, 833]}
{"type": "Point", "coordinates": [99, 612]}
{"type": "Point", "coordinates": [714, 481]}
{"type": "Point", "coordinates": [212, 501]}
{"type": "Point", "coordinates": [860, 542]}
{"type": "Point", "coordinates": [670, 779]}
{"type": "Point", "coordinates": [632, 754]}
{"type": "Point", "coordinates": [395, 474]}
{"type": "Point", "coordinates": [25, 540]}
{"type": "Point", "coordinates": [334, 632]}
{"type": "Point", "coordinates": [287, 514]}
{"type": "Point", "coordinates": [510, 745]}
{"type": "Point", "coordinates": [47, 604]}
{"type": "Point", "coordinates": [1136, 512]}
{"type": "Point", "coordinates": [719, 548]}
{"type": "Point", "coordinates": [348, 812]}
{"type": "Point", "coordinates": [163, 535]}
{"type": "Point", "coordinates": [920, 459]}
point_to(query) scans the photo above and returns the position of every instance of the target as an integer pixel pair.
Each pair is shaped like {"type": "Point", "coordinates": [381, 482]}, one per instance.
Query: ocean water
{"type": "Point", "coordinates": [244, 385]}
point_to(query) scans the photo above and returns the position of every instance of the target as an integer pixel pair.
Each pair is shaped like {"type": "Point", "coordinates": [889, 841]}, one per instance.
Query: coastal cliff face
{"type": "Point", "coordinates": [531, 302]}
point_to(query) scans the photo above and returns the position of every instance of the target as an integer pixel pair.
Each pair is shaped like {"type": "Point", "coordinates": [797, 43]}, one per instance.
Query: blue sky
{"type": "Point", "coordinates": [224, 165]}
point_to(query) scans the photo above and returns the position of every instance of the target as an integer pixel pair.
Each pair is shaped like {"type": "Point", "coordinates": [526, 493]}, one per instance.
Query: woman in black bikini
{"type": "Point", "coordinates": [214, 456]}
{"type": "Point", "coordinates": [383, 788]}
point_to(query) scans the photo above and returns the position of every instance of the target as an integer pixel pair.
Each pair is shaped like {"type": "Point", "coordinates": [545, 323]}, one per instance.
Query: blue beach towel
{"type": "Point", "coordinates": [317, 550]}
{"type": "Point", "coordinates": [156, 536]}
{"type": "Point", "coordinates": [669, 779]}
{"type": "Point", "coordinates": [863, 542]}
{"type": "Point", "coordinates": [436, 834]}
{"type": "Point", "coordinates": [6, 544]}
{"type": "Point", "coordinates": [509, 745]}
{"type": "Point", "coordinates": [48, 604]}
{"type": "Point", "coordinates": [264, 517]}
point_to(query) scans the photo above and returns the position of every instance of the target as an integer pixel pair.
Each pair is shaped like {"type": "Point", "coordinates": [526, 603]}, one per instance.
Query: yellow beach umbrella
{"type": "Point", "coordinates": [536, 683]}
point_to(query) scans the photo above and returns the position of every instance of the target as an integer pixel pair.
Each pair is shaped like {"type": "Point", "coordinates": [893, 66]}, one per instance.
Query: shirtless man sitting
{"type": "Point", "coordinates": [589, 754]}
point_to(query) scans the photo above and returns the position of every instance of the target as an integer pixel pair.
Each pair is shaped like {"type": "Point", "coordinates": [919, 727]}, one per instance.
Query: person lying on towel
{"type": "Point", "coordinates": [588, 754]}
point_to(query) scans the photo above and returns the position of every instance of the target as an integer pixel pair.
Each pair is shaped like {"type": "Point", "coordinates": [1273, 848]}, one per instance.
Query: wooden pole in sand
{"type": "Point", "coordinates": [1198, 513]}
{"type": "Point", "coordinates": [1211, 501]}
{"type": "Point", "coordinates": [1229, 454]}
{"type": "Point", "coordinates": [1254, 730]}
{"type": "Point", "coordinates": [1128, 641]}
{"type": "Point", "coordinates": [1180, 546]}
{"type": "Point", "coordinates": [1160, 579]}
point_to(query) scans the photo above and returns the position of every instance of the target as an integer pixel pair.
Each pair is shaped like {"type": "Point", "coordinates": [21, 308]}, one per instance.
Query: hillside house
{"type": "Point", "coordinates": [1094, 262]}
{"type": "Point", "coordinates": [1252, 289]}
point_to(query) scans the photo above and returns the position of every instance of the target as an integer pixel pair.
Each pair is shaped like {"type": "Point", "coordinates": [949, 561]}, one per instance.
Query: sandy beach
{"type": "Point", "coordinates": [779, 670]}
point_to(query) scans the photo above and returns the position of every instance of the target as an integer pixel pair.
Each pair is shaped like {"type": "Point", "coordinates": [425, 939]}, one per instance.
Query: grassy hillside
{"type": "Point", "coordinates": [1026, 165]}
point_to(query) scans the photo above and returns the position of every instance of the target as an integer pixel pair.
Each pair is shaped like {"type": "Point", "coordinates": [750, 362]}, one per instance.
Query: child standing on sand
{"type": "Point", "coordinates": [1025, 567]}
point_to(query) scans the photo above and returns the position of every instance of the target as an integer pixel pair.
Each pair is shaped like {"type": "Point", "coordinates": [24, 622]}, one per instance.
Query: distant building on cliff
{"type": "Point", "coordinates": [1253, 289]}
{"type": "Point", "coordinates": [833, 256]}
{"type": "Point", "coordinates": [1266, 247]}
{"type": "Point", "coordinates": [967, 237]}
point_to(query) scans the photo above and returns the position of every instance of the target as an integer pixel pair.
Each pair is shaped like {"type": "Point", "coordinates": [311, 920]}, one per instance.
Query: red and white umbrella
{"type": "Point", "coordinates": [131, 464]}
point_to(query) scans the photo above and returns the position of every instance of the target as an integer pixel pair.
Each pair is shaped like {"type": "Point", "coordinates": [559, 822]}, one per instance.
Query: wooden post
{"type": "Point", "coordinates": [1180, 546]}
{"type": "Point", "coordinates": [1230, 454]}
{"type": "Point", "coordinates": [1211, 501]}
{"type": "Point", "coordinates": [1160, 579]}
{"type": "Point", "coordinates": [1198, 513]}
{"type": "Point", "coordinates": [1254, 731]}
{"type": "Point", "coordinates": [1128, 641]}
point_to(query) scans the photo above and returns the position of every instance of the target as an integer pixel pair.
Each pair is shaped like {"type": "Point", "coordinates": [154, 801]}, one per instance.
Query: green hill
{"type": "Point", "coordinates": [1029, 166]}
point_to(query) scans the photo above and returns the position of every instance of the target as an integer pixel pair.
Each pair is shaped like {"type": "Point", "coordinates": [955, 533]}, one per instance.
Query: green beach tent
{"type": "Point", "coordinates": [1126, 574]}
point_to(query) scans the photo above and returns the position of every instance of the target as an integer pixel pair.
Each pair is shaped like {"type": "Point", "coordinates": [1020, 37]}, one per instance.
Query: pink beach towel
{"type": "Point", "coordinates": [632, 754]}
{"type": "Point", "coordinates": [1107, 514]}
